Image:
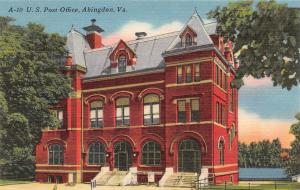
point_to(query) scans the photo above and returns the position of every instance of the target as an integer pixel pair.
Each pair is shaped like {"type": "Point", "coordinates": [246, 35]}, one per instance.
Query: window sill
{"type": "Point", "coordinates": [152, 125]}
{"type": "Point", "coordinates": [122, 126]}
{"type": "Point", "coordinates": [149, 166]}
{"type": "Point", "coordinates": [54, 129]}
{"type": "Point", "coordinates": [94, 165]}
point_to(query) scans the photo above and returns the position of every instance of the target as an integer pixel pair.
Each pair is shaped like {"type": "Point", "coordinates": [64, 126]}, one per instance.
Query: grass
{"type": "Point", "coordinates": [257, 186]}
{"type": "Point", "coordinates": [12, 181]}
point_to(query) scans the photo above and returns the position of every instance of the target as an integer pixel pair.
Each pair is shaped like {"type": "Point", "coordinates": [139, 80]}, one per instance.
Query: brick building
{"type": "Point", "coordinates": [158, 106]}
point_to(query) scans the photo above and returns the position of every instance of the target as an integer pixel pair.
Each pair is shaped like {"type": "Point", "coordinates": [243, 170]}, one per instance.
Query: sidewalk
{"type": "Point", "coordinates": [45, 186]}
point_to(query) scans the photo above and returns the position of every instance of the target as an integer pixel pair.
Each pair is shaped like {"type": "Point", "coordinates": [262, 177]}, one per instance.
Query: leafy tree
{"type": "Point", "coordinates": [30, 81]}
{"type": "Point", "coordinates": [275, 153]}
{"type": "Point", "coordinates": [262, 154]}
{"type": "Point", "coordinates": [266, 40]}
{"type": "Point", "coordinates": [293, 165]}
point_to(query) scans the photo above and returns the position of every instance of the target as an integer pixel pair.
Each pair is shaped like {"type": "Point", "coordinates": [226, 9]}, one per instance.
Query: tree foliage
{"type": "Point", "coordinates": [263, 154]}
{"type": "Point", "coordinates": [293, 165]}
{"type": "Point", "coordinates": [30, 81]}
{"type": "Point", "coordinates": [266, 38]}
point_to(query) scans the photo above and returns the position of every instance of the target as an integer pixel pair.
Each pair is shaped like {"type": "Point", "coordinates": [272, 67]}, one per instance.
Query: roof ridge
{"type": "Point", "coordinates": [130, 42]}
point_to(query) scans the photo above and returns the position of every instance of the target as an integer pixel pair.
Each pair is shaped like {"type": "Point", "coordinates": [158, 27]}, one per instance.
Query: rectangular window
{"type": "Point", "coordinates": [195, 113]}
{"type": "Point", "coordinates": [96, 114]}
{"type": "Point", "coordinates": [181, 111]}
{"type": "Point", "coordinates": [123, 116]}
{"type": "Point", "coordinates": [220, 77]}
{"type": "Point", "coordinates": [197, 73]}
{"type": "Point", "coordinates": [60, 117]}
{"type": "Point", "coordinates": [217, 112]}
{"type": "Point", "coordinates": [231, 100]}
{"type": "Point", "coordinates": [151, 114]}
{"type": "Point", "coordinates": [179, 75]}
{"type": "Point", "coordinates": [217, 75]}
{"type": "Point", "coordinates": [188, 71]}
{"type": "Point", "coordinates": [225, 81]}
{"type": "Point", "coordinates": [221, 114]}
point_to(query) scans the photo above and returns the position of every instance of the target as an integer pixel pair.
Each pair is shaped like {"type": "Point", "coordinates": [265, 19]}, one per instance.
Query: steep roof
{"type": "Point", "coordinates": [197, 25]}
{"type": "Point", "coordinates": [149, 50]}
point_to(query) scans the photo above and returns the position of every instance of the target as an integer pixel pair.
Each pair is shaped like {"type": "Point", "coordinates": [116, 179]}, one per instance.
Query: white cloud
{"type": "Point", "coordinates": [127, 31]}
{"type": "Point", "coordinates": [252, 82]}
{"type": "Point", "coordinates": [254, 128]}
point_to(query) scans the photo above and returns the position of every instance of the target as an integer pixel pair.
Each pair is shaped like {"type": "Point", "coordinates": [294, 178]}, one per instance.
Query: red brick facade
{"type": "Point", "coordinates": [214, 125]}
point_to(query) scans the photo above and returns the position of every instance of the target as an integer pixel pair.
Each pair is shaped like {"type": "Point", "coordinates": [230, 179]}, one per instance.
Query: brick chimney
{"type": "Point", "coordinates": [93, 35]}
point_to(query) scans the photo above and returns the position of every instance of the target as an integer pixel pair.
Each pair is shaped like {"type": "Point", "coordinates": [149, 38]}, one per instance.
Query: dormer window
{"type": "Point", "coordinates": [122, 58]}
{"type": "Point", "coordinates": [188, 40]}
{"type": "Point", "coordinates": [122, 62]}
{"type": "Point", "coordinates": [188, 37]}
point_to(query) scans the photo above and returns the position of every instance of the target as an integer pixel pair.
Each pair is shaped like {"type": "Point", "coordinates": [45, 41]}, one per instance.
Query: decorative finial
{"type": "Point", "coordinates": [93, 21]}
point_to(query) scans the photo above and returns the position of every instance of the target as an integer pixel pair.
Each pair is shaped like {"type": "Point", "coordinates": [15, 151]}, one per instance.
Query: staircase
{"type": "Point", "coordinates": [112, 178]}
{"type": "Point", "coordinates": [181, 180]}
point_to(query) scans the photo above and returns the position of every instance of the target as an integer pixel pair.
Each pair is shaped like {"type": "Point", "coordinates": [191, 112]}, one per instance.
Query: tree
{"type": "Point", "coordinates": [30, 81]}
{"type": "Point", "coordinates": [266, 40]}
{"type": "Point", "coordinates": [293, 164]}
{"type": "Point", "coordinates": [262, 154]}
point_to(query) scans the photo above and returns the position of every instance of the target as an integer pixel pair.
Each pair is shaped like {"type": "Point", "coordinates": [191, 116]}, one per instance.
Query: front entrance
{"type": "Point", "coordinates": [123, 155]}
{"type": "Point", "coordinates": [189, 156]}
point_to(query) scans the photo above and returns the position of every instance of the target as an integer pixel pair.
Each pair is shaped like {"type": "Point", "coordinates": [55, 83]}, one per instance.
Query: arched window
{"type": "Point", "coordinates": [188, 40]}
{"type": "Point", "coordinates": [97, 153]}
{"type": "Point", "coordinates": [122, 62]}
{"type": "Point", "coordinates": [56, 154]}
{"type": "Point", "coordinates": [96, 114]}
{"type": "Point", "coordinates": [151, 153]}
{"type": "Point", "coordinates": [151, 109]}
{"type": "Point", "coordinates": [122, 112]}
{"type": "Point", "coordinates": [221, 151]}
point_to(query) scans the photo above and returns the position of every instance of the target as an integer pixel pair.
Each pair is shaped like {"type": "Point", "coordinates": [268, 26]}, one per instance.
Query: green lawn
{"type": "Point", "coordinates": [12, 181]}
{"type": "Point", "coordinates": [257, 186]}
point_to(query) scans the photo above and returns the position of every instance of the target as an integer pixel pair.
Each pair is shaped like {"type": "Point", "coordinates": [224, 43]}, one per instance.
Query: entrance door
{"type": "Point", "coordinates": [189, 156]}
{"type": "Point", "coordinates": [123, 156]}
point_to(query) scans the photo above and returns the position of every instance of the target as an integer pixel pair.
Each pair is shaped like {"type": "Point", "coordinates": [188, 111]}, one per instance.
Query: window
{"type": "Point", "coordinates": [197, 73]}
{"type": "Point", "coordinates": [181, 111]}
{"type": "Point", "coordinates": [96, 114]}
{"type": "Point", "coordinates": [195, 113]}
{"type": "Point", "coordinates": [151, 109]}
{"type": "Point", "coordinates": [225, 81]}
{"type": "Point", "coordinates": [56, 154]}
{"type": "Point", "coordinates": [60, 116]}
{"type": "Point", "coordinates": [188, 40]}
{"type": "Point", "coordinates": [231, 100]}
{"type": "Point", "coordinates": [221, 151]}
{"type": "Point", "coordinates": [220, 78]}
{"type": "Point", "coordinates": [122, 112]}
{"type": "Point", "coordinates": [122, 62]}
{"type": "Point", "coordinates": [179, 74]}
{"type": "Point", "coordinates": [59, 179]}
{"type": "Point", "coordinates": [217, 74]}
{"type": "Point", "coordinates": [220, 113]}
{"type": "Point", "coordinates": [97, 153]}
{"type": "Point", "coordinates": [231, 135]}
{"type": "Point", "coordinates": [217, 112]}
{"type": "Point", "coordinates": [151, 153]}
{"type": "Point", "coordinates": [188, 76]}
{"type": "Point", "coordinates": [51, 179]}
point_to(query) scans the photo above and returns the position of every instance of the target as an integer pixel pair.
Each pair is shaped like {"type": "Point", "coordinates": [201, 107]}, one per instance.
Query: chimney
{"type": "Point", "coordinates": [93, 35]}
{"type": "Point", "coordinates": [140, 35]}
{"type": "Point", "coordinates": [69, 60]}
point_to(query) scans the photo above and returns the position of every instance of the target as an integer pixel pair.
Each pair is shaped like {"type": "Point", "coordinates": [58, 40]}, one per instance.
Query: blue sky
{"type": "Point", "coordinates": [258, 98]}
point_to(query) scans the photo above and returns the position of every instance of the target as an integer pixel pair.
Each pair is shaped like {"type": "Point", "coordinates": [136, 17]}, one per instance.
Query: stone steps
{"type": "Point", "coordinates": [181, 180]}
{"type": "Point", "coordinates": [113, 178]}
